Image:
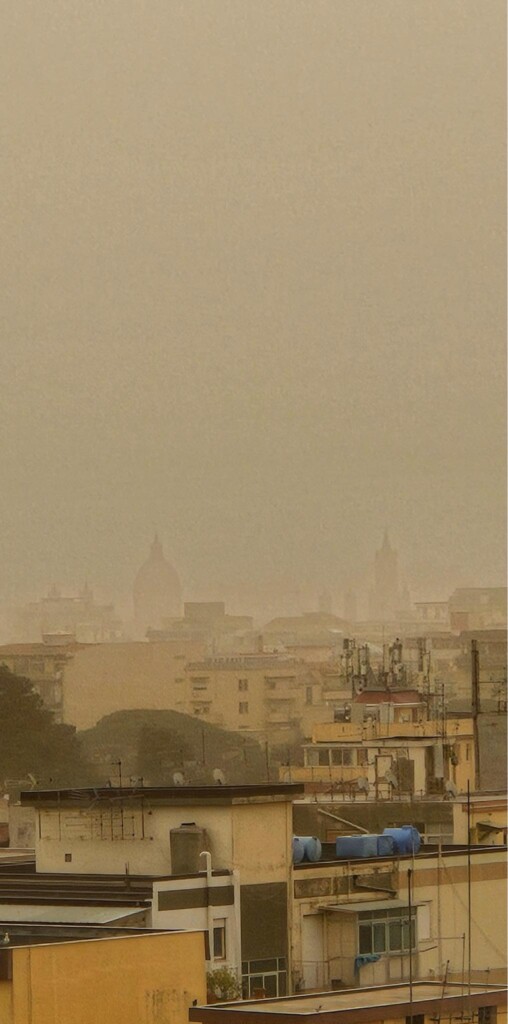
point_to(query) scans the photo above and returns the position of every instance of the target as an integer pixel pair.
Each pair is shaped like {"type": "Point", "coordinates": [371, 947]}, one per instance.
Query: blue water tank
{"type": "Point", "coordinates": [352, 847]}
{"type": "Point", "coordinates": [312, 848]}
{"type": "Point", "coordinates": [306, 848]}
{"type": "Point", "coordinates": [298, 850]}
{"type": "Point", "coordinates": [385, 846]}
{"type": "Point", "coordinates": [407, 838]}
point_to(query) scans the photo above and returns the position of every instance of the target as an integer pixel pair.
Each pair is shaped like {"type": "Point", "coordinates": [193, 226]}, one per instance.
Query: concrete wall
{"type": "Point", "coordinates": [102, 678]}
{"type": "Point", "coordinates": [439, 885]}
{"type": "Point", "coordinates": [250, 836]}
{"type": "Point", "coordinates": [206, 912]}
{"type": "Point", "coordinates": [149, 978]}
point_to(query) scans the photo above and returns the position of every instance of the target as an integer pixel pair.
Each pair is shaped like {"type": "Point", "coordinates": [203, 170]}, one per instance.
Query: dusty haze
{"type": "Point", "coordinates": [253, 275]}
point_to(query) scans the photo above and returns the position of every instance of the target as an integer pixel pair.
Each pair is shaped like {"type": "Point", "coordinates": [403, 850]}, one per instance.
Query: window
{"type": "Point", "coordinates": [342, 755]}
{"type": "Point", "coordinates": [468, 751]}
{"type": "Point", "coordinates": [267, 976]}
{"type": "Point", "coordinates": [243, 685]}
{"type": "Point", "coordinates": [318, 756]}
{"type": "Point", "coordinates": [243, 708]}
{"type": "Point", "coordinates": [219, 940]}
{"type": "Point", "coordinates": [308, 694]}
{"type": "Point", "coordinates": [385, 931]}
{"type": "Point", "coordinates": [68, 858]}
{"type": "Point", "coordinates": [487, 1015]}
{"type": "Point", "coordinates": [200, 684]}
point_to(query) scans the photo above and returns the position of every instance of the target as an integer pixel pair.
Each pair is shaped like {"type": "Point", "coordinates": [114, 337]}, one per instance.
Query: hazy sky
{"type": "Point", "coordinates": [253, 280]}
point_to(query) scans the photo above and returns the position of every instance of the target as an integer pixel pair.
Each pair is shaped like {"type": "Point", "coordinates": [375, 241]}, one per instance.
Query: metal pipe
{"type": "Point", "coordinates": [410, 910]}
{"type": "Point", "coordinates": [469, 897]}
{"type": "Point", "coordinates": [475, 702]}
{"type": "Point", "coordinates": [344, 822]}
{"type": "Point", "coordinates": [209, 908]}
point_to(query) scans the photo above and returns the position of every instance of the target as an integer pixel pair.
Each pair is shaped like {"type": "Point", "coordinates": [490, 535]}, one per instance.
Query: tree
{"type": "Point", "coordinates": [31, 742]}
{"type": "Point", "coordinates": [160, 751]}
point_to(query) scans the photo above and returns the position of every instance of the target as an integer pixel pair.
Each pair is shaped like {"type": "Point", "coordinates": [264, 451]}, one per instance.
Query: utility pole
{"type": "Point", "coordinates": [475, 708]}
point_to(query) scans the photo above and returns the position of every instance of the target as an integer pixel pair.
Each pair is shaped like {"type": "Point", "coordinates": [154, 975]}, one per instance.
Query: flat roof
{"type": "Point", "coordinates": [363, 905]}
{"type": "Point", "coordinates": [368, 1004]}
{"type": "Point", "coordinates": [57, 914]}
{"type": "Point", "coordinates": [163, 794]}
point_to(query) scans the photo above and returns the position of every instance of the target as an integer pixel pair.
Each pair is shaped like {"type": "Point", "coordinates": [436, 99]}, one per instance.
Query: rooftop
{"type": "Point", "coordinates": [37, 934]}
{"type": "Point", "coordinates": [369, 1004]}
{"type": "Point", "coordinates": [176, 795]}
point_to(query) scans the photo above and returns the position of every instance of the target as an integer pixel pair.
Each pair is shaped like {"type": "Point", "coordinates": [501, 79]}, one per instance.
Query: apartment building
{"type": "Point", "coordinates": [270, 696]}
{"type": "Point", "coordinates": [220, 859]}
{"type": "Point", "coordinates": [393, 749]}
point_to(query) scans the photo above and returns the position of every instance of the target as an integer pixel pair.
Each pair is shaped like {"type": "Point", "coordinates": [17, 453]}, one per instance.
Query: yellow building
{"type": "Point", "coordinates": [122, 980]}
{"type": "Point", "coordinates": [350, 919]}
{"type": "Point", "coordinates": [392, 751]}
{"type": "Point", "coordinates": [268, 695]}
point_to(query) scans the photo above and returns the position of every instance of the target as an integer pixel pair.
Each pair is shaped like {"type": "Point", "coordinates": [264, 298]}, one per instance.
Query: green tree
{"type": "Point", "coordinates": [160, 751]}
{"type": "Point", "coordinates": [31, 742]}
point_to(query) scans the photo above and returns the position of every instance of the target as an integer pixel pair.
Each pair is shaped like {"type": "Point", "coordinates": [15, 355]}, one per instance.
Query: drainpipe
{"type": "Point", "coordinates": [237, 954]}
{"type": "Point", "coordinates": [209, 908]}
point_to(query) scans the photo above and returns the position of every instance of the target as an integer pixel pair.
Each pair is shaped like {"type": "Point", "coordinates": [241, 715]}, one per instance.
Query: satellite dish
{"type": "Point", "coordinates": [392, 779]}
{"type": "Point", "coordinates": [363, 784]}
{"type": "Point", "coordinates": [218, 776]}
{"type": "Point", "coordinates": [450, 789]}
{"type": "Point", "coordinates": [178, 778]}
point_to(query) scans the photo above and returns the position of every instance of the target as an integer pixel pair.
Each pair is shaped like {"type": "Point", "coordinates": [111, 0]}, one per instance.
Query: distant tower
{"type": "Point", "coordinates": [385, 598]}
{"type": "Point", "coordinates": [325, 603]}
{"type": "Point", "coordinates": [157, 591]}
{"type": "Point", "coordinates": [350, 606]}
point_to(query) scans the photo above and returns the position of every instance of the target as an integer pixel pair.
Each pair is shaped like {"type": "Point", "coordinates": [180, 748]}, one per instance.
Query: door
{"type": "Point", "coordinates": [313, 956]}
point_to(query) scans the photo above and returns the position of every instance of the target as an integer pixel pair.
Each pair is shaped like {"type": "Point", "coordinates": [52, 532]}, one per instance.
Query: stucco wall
{"type": "Point", "coordinates": [136, 980]}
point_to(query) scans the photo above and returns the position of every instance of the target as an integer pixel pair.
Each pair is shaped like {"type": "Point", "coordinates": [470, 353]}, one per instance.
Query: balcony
{"type": "Point", "coordinates": [334, 732]}
{"type": "Point", "coordinates": [322, 773]}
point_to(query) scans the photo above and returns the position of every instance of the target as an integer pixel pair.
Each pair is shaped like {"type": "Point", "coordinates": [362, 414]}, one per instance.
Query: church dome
{"type": "Point", "coordinates": [157, 591]}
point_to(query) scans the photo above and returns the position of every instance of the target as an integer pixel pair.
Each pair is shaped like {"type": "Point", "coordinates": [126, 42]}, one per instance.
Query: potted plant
{"type": "Point", "coordinates": [222, 985]}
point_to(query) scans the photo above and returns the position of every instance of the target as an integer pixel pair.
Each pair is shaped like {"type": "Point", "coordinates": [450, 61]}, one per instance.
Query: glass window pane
{"type": "Point", "coordinates": [282, 963]}
{"type": "Point", "coordinates": [323, 757]}
{"type": "Point", "coordinates": [270, 984]}
{"type": "Point", "coordinates": [379, 938]}
{"type": "Point", "coordinates": [219, 942]}
{"type": "Point", "coordinates": [282, 984]}
{"type": "Point", "coordinates": [336, 756]}
{"type": "Point", "coordinates": [365, 943]}
{"type": "Point", "coordinates": [257, 966]}
{"type": "Point", "coordinates": [395, 930]}
{"type": "Point", "coordinates": [255, 982]}
{"type": "Point", "coordinates": [347, 756]}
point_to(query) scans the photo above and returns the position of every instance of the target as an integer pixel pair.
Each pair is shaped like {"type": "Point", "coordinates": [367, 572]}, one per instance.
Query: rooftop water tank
{"type": "Point", "coordinates": [353, 847]}
{"type": "Point", "coordinates": [298, 850]}
{"type": "Point", "coordinates": [407, 838]}
{"type": "Point", "coordinates": [186, 843]}
{"type": "Point", "coordinates": [311, 847]}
